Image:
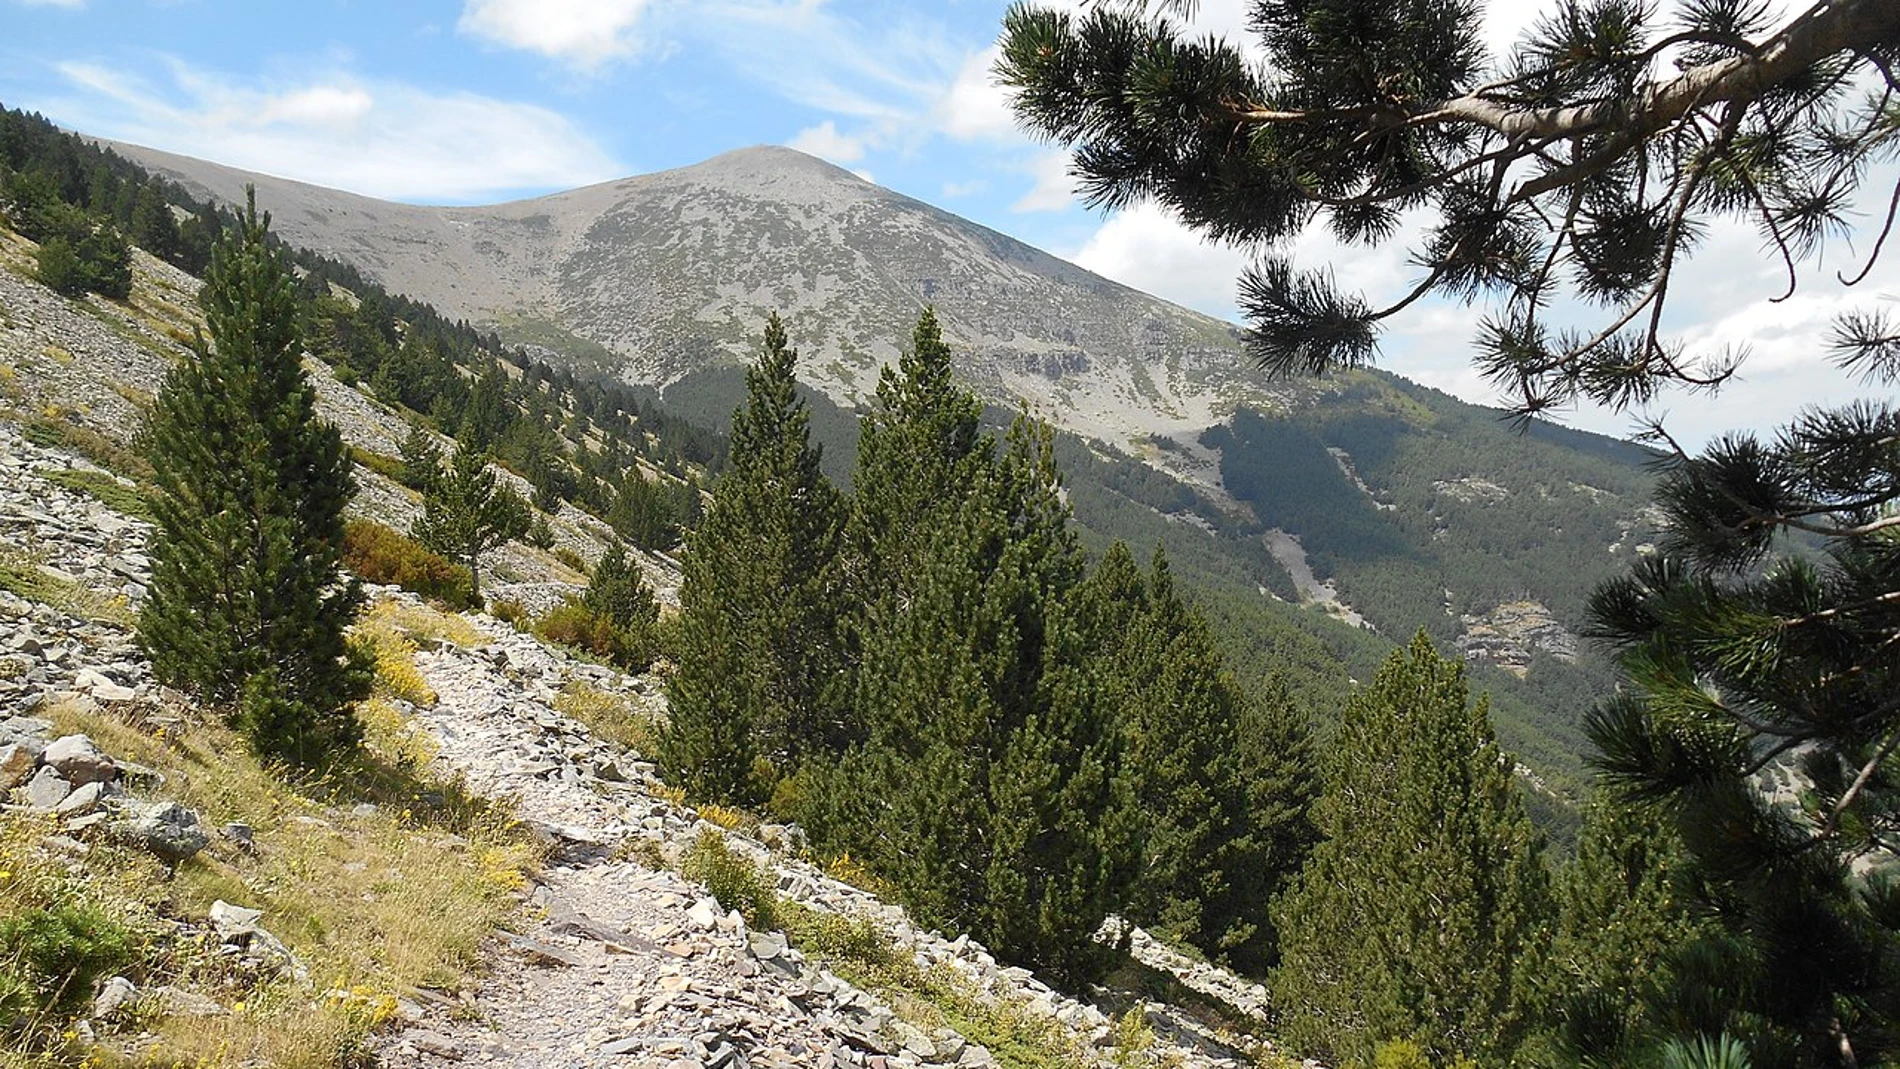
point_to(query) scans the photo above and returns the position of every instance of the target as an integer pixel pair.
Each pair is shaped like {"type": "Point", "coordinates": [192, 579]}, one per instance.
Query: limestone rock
{"type": "Point", "coordinates": [47, 789]}
{"type": "Point", "coordinates": [16, 765]}
{"type": "Point", "coordinates": [167, 829]}
{"type": "Point", "coordinates": [80, 760]}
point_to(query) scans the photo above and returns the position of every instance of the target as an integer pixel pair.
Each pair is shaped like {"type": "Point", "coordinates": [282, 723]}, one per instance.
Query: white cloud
{"type": "Point", "coordinates": [953, 190]}
{"type": "Point", "coordinates": [825, 142]}
{"type": "Point", "coordinates": [370, 136]}
{"type": "Point", "coordinates": [1148, 249]}
{"type": "Point", "coordinates": [581, 33]}
{"type": "Point", "coordinates": [1054, 188]}
{"type": "Point", "coordinates": [975, 107]}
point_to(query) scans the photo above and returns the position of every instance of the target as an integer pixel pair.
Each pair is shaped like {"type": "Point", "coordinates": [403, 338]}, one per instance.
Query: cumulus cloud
{"type": "Point", "coordinates": [1146, 248]}
{"type": "Point", "coordinates": [975, 107]}
{"type": "Point", "coordinates": [825, 142]}
{"type": "Point", "coordinates": [1054, 188]}
{"type": "Point", "coordinates": [581, 33]}
{"type": "Point", "coordinates": [371, 136]}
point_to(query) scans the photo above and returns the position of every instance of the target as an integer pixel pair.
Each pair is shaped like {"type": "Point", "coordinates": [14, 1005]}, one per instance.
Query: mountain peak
{"type": "Point", "coordinates": [770, 171]}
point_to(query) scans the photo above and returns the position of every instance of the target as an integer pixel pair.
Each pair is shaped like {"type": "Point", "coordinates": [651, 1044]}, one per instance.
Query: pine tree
{"type": "Point", "coordinates": [1625, 916]}
{"type": "Point", "coordinates": [249, 603]}
{"type": "Point", "coordinates": [919, 453]}
{"type": "Point", "coordinates": [154, 228]}
{"type": "Point", "coordinates": [1747, 664]}
{"type": "Point", "coordinates": [421, 458]}
{"type": "Point", "coordinates": [618, 590]}
{"type": "Point", "coordinates": [1195, 756]}
{"type": "Point", "coordinates": [1420, 915]}
{"type": "Point", "coordinates": [758, 602]}
{"type": "Point", "coordinates": [469, 512]}
{"type": "Point", "coordinates": [1576, 170]}
{"type": "Point", "coordinates": [988, 786]}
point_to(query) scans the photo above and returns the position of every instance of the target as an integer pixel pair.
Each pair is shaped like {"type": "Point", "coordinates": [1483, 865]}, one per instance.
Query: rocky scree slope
{"type": "Point", "coordinates": [675, 271]}
{"type": "Point", "coordinates": [95, 364]}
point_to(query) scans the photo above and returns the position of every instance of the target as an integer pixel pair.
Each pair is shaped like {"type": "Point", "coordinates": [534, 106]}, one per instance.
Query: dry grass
{"type": "Point", "coordinates": [374, 901]}
{"type": "Point", "coordinates": [22, 574]}
{"type": "Point", "coordinates": [423, 622]}
{"type": "Point", "coordinates": [392, 630]}
{"type": "Point", "coordinates": [610, 716]}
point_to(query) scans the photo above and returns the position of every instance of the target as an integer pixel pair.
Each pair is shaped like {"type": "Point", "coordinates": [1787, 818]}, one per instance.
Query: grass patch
{"type": "Point", "coordinates": [609, 715]}
{"type": "Point", "coordinates": [22, 575]}
{"type": "Point", "coordinates": [395, 654]}
{"type": "Point", "coordinates": [375, 902]}
{"type": "Point", "coordinates": [736, 882]}
{"type": "Point", "coordinates": [423, 622]}
{"type": "Point", "coordinates": [53, 432]}
{"type": "Point", "coordinates": [103, 487]}
{"type": "Point", "coordinates": [381, 463]}
{"type": "Point", "coordinates": [929, 998]}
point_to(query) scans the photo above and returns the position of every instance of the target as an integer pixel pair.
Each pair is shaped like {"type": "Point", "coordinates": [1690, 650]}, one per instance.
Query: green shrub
{"type": "Point", "coordinates": [52, 433]}
{"type": "Point", "coordinates": [59, 269]}
{"type": "Point", "coordinates": [381, 463]}
{"type": "Point", "coordinates": [571, 559]}
{"type": "Point", "coordinates": [99, 262]}
{"type": "Point", "coordinates": [574, 623]}
{"type": "Point", "coordinates": [383, 555]}
{"type": "Point", "coordinates": [734, 881]}
{"type": "Point", "coordinates": [51, 958]}
{"type": "Point", "coordinates": [512, 613]}
{"type": "Point", "coordinates": [125, 500]}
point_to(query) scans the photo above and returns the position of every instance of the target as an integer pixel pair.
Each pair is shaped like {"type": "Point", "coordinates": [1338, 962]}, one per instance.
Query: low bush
{"type": "Point", "coordinates": [734, 881]}
{"type": "Point", "coordinates": [52, 957]}
{"type": "Point", "coordinates": [381, 463]}
{"type": "Point", "coordinates": [573, 623]}
{"type": "Point", "coordinates": [384, 555]}
{"type": "Point", "coordinates": [513, 613]}
{"type": "Point", "coordinates": [110, 492]}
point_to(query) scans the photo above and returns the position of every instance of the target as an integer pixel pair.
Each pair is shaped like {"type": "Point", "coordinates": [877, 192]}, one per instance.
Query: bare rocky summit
{"type": "Point", "coordinates": [668, 273]}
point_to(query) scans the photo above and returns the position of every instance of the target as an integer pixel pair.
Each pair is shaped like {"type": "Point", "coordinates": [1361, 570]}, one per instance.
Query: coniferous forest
{"type": "Point", "coordinates": [963, 658]}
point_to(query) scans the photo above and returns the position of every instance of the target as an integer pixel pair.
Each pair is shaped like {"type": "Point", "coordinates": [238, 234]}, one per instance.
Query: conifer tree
{"type": "Point", "coordinates": [249, 602]}
{"type": "Point", "coordinates": [469, 512]}
{"type": "Point", "coordinates": [919, 452]}
{"type": "Point", "coordinates": [1208, 866]}
{"type": "Point", "coordinates": [421, 458]}
{"type": "Point", "coordinates": [758, 601]}
{"type": "Point", "coordinates": [1626, 935]}
{"type": "Point", "coordinates": [618, 591]}
{"type": "Point", "coordinates": [1420, 915]}
{"type": "Point", "coordinates": [988, 785]}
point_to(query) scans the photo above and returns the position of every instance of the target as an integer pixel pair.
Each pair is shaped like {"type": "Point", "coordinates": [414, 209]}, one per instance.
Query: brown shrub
{"type": "Point", "coordinates": [383, 555]}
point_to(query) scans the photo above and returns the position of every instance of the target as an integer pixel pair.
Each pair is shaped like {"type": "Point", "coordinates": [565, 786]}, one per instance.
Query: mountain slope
{"type": "Point", "coordinates": [1320, 520]}
{"type": "Point", "coordinates": [670, 270]}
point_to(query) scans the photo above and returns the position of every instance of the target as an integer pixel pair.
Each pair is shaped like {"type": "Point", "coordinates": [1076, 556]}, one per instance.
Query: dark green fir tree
{"type": "Point", "coordinates": [249, 602]}
{"type": "Point", "coordinates": [469, 512]}
{"type": "Point", "coordinates": [1626, 938]}
{"type": "Point", "coordinates": [988, 787]}
{"type": "Point", "coordinates": [421, 458]}
{"type": "Point", "coordinates": [1222, 789]}
{"type": "Point", "coordinates": [618, 591]}
{"type": "Point", "coordinates": [758, 602]}
{"type": "Point", "coordinates": [1421, 914]}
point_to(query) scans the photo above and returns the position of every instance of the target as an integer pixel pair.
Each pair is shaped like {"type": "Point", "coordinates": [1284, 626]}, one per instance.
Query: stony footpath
{"type": "Point", "coordinates": [635, 962]}
{"type": "Point", "coordinates": [618, 959]}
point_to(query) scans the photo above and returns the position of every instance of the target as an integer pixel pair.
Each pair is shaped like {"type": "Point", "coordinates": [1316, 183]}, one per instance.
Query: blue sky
{"type": "Point", "coordinates": [473, 101]}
